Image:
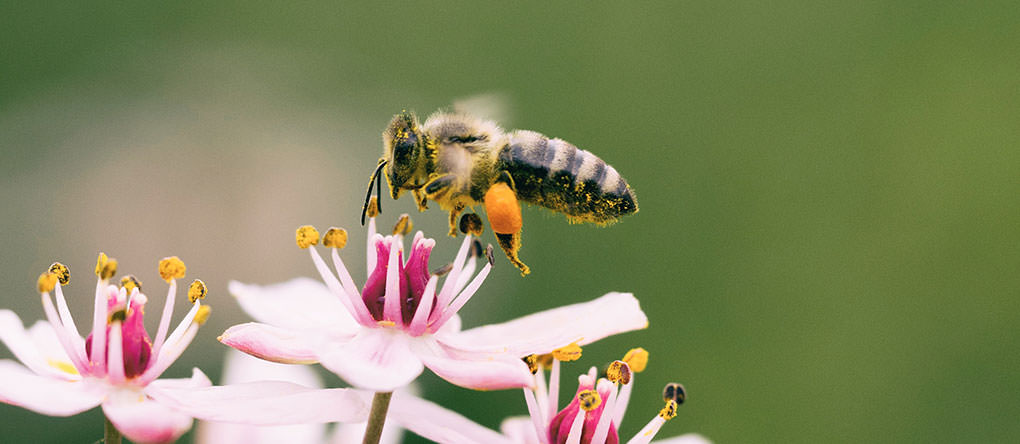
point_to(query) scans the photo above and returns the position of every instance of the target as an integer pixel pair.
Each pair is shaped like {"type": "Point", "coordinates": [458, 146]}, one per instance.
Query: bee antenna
{"type": "Point", "coordinates": [377, 181]}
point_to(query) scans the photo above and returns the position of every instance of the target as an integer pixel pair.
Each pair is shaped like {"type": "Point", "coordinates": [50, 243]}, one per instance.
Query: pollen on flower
{"type": "Point", "coordinates": [105, 266]}
{"type": "Point", "coordinates": [470, 223]}
{"type": "Point", "coordinates": [307, 236]}
{"type": "Point", "coordinates": [335, 238]}
{"type": "Point", "coordinates": [197, 290]}
{"type": "Point", "coordinates": [202, 314]}
{"type": "Point", "coordinates": [63, 366]}
{"type": "Point", "coordinates": [386, 323]}
{"type": "Point", "coordinates": [637, 359]}
{"type": "Point", "coordinates": [532, 362]}
{"type": "Point", "coordinates": [567, 353]}
{"type": "Point", "coordinates": [669, 411]}
{"type": "Point", "coordinates": [172, 268]}
{"type": "Point", "coordinates": [62, 272]}
{"type": "Point", "coordinates": [545, 360]}
{"type": "Point", "coordinates": [130, 283]}
{"type": "Point", "coordinates": [119, 315]}
{"type": "Point", "coordinates": [403, 225]}
{"type": "Point", "coordinates": [47, 281]}
{"type": "Point", "coordinates": [373, 207]}
{"type": "Point", "coordinates": [618, 371]}
{"type": "Point", "coordinates": [674, 392]}
{"type": "Point", "coordinates": [589, 400]}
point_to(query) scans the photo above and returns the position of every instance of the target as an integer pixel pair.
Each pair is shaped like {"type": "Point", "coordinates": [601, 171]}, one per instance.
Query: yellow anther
{"type": "Point", "coordinates": [569, 353]}
{"type": "Point", "coordinates": [532, 362]}
{"type": "Point", "coordinates": [63, 366]}
{"type": "Point", "coordinates": [669, 411]}
{"type": "Point", "coordinates": [105, 266]}
{"type": "Point", "coordinates": [373, 207]}
{"type": "Point", "coordinates": [589, 400]}
{"type": "Point", "coordinates": [119, 315]}
{"type": "Point", "coordinates": [130, 283]}
{"type": "Point", "coordinates": [674, 392]}
{"type": "Point", "coordinates": [47, 281]}
{"type": "Point", "coordinates": [335, 238]}
{"type": "Point", "coordinates": [637, 359]}
{"type": "Point", "coordinates": [618, 371]}
{"type": "Point", "coordinates": [172, 268]}
{"type": "Point", "coordinates": [386, 323]}
{"type": "Point", "coordinates": [470, 223]}
{"type": "Point", "coordinates": [403, 226]}
{"type": "Point", "coordinates": [197, 290]}
{"type": "Point", "coordinates": [62, 272]}
{"type": "Point", "coordinates": [307, 236]}
{"type": "Point", "coordinates": [545, 360]}
{"type": "Point", "coordinates": [202, 314]}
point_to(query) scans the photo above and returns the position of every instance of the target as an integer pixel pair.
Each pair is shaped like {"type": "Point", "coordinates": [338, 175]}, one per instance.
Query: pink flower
{"type": "Point", "coordinates": [64, 374]}
{"type": "Point", "coordinates": [593, 415]}
{"type": "Point", "coordinates": [382, 336]}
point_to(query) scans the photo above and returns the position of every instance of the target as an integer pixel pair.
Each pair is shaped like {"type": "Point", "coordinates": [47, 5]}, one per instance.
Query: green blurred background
{"type": "Point", "coordinates": [829, 236]}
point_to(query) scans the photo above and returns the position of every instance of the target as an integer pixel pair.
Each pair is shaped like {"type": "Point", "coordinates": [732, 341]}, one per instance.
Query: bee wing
{"type": "Point", "coordinates": [495, 106]}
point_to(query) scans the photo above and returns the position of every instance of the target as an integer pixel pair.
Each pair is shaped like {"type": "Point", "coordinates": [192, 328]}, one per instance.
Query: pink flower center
{"type": "Point", "coordinates": [414, 276]}
{"type": "Point", "coordinates": [559, 427]}
{"type": "Point", "coordinates": [137, 347]}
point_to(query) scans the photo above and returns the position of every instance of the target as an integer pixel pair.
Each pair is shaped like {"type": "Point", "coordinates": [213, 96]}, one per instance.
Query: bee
{"type": "Point", "coordinates": [459, 161]}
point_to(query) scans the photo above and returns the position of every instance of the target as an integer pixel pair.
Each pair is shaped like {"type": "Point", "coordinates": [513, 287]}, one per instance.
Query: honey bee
{"type": "Point", "coordinates": [459, 161]}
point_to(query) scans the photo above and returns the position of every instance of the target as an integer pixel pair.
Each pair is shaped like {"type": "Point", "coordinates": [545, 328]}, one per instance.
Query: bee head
{"type": "Point", "coordinates": [404, 144]}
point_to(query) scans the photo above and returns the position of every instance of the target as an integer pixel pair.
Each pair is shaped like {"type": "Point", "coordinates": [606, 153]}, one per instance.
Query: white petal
{"type": "Point", "coordinates": [46, 395]}
{"type": "Point", "coordinates": [36, 348]}
{"type": "Point", "coordinates": [378, 359]}
{"type": "Point", "coordinates": [272, 343]}
{"type": "Point", "coordinates": [142, 419]}
{"type": "Point", "coordinates": [439, 424]}
{"type": "Point", "coordinates": [241, 368]}
{"type": "Point", "coordinates": [301, 303]}
{"type": "Point", "coordinates": [520, 430]}
{"type": "Point", "coordinates": [266, 403]}
{"type": "Point", "coordinates": [392, 433]}
{"type": "Point", "coordinates": [548, 330]}
{"type": "Point", "coordinates": [197, 379]}
{"type": "Point", "coordinates": [690, 438]}
{"type": "Point", "coordinates": [209, 432]}
{"type": "Point", "coordinates": [474, 371]}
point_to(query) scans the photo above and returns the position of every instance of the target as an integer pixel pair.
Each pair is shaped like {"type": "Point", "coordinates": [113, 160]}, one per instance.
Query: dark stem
{"type": "Point", "coordinates": [377, 417]}
{"type": "Point", "coordinates": [110, 433]}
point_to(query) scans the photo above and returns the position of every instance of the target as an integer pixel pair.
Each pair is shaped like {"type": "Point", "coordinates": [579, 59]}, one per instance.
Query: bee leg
{"type": "Point", "coordinates": [420, 200]}
{"type": "Point", "coordinates": [457, 209]}
{"type": "Point", "coordinates": [504, 213]}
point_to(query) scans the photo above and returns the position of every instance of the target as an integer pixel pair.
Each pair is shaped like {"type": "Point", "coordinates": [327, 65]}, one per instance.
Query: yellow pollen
{"type": "Point", "coordinates": [119, 315]}
{"type": "Point", "coordinates": [47, 281]}
{"type": "Point", "coordinates": [105, 266]}
{"type": "Point", "coordinates": [470, 223]}
{"type": "Point", "coordinates": [197, 290]}
{"type": "Point", "coordinates": [62, 272]}
{"type": "Point", "coordinates": [618, 371]}
{"type": "Point", "coordinates": [532, 362]}
{"type": "Point", "coordinates": [589, 400]}
{"type": "Point", "coordinates": [335, 238]}
{"type": "Point", "coordinates": [674, 392]}
{"type": "Point", "coordinates": [130, 283]}
{"type": "Point", "coordinates": [63, 366]}
{"type": "Point", "coordinates": [404, 225]}
{"type": "Point", "coordinates": [202, 314]}
{"type": "Point", "coordinates": [637, 359]}
{"type": "Point", "coordinates": [373, 207]}
{"type": "Point", "coordinates": [669, 411]}
{"type": "Point", "coordinates": [307, 236]}
{"type": "Point", "coordinates": [171, 268]}
{"type": "Point", "coordinates": [386, 323]}
{"type": "Point", "coordinates": [569, 353]}
{"type": "Point", "coordinates": [545, 360]}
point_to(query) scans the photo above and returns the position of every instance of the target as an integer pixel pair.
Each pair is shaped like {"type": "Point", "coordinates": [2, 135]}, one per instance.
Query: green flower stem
{"type": "Point", "coordinates": [110, 433]}
{"type": "Point", "coordinates": [377, 417]}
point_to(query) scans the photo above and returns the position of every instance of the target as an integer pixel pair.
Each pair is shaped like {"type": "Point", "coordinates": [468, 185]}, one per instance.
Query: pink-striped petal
{"type": "Point", "coordinates": [144, 420]}
{"type": "Point", "coordinates": [301, 303]}
{"type": "Point", "coordinates": [548, 330]}
{"type": "Point", "coordinates": [439, 424]}
{"type": "Point", "coordinates": [378, 359]}
{"type": "Point", "coordinates": [272, 343]}
{"type": "Point", "coordinates": [45, 395]}
{"type": "Point", "coordinates": [474, 371]}
{"type": "Point", "coordinates": [266, 403]}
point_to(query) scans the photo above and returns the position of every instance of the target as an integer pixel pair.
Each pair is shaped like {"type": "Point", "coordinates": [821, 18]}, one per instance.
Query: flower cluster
{"type": "Point", "coordinates": [378, 337]}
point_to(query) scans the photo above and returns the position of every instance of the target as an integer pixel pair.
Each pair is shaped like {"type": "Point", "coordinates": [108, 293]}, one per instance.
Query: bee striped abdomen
{"type": "Point", "coordinates": [559, 176]}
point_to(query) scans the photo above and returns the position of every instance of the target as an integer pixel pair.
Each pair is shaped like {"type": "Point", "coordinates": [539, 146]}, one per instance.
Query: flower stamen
{"type": "Point", "coordinates": [129, 283]}
{"type": "Point", "coordinates": [403, 225]}
{"type": "Point", "coordinates": [567, 353]}
{"type": "Point", "coordinates": [197, 290]}
{"type": "Point", "coordinates": [335, 238]}
{"type": "Point", "coordinates": [62, 272]}
{"type": "Point", "coordinates": [106, 267]}
{"type": "Point", "coordinates": [172, 268]}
